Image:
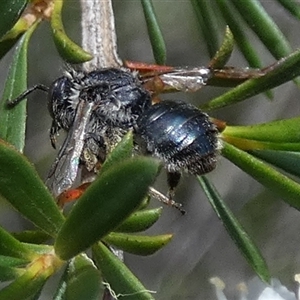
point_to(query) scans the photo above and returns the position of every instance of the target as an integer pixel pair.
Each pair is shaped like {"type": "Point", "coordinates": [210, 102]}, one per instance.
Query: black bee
{"type": "Point", "coordinates": [98, 108]}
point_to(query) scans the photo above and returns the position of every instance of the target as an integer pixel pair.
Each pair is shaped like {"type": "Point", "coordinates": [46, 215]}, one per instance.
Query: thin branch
{"type": "Point", "coordinates": [98, 34]}
{"type": "Point", "coordinates": [99, 38]}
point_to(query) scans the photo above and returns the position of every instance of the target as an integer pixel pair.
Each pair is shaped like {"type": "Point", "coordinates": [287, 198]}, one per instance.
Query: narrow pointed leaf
{"type": "Point", "coordinates": [10, 273]}
{"type": "Point", "coordinates": [155, 35]}
{"type": "Point", "coordinates": [223, 54]}
{"type": "Point", "coordinates": [32, 236]}
{"type": "Point", "coordinates": [8, 261]}
{"type": "Point", "coordinates": [11, 12]}
{"type": "Point", "coordinates": [137, 244]}
{"type": "Point", "coordinates": [68, 50]}
{"type": "Point", "coordinates": [25, 286]}
{"type": "Point", "coordinates": [292, 6]}
{"type": "Point", "coordinates": [268, 31]}
{"type": "Point", "coordinates": [39, 249]}
{"type": "Point", "coordinates": [246, 144]}
{"type": "Point", "coordinates": [105, 204]}
{"type": "Point", "coordinates": [280, 131]}
{"type": "Point", "coordinates": [83, 280]}
{"type": "Point", "coordinates": [24, 190]}
{"type": "Point", "coordinates": [9, 246]}
{"type": "Point", "coordinates": [12, 125]}
{"type": "Point", "coordinates": [208, 22]}
{"type": "Point", "coordinates": [283, 71]}
{"type": "Point", "coordinates": [278, 183]}
{"type": "Point", "coordinates": [234, 23]}
{"type": "Point", "coordinates": [30, 283]}
{"type": "Point", "coordinates": [121, 281]}
{"type": "Point", "coordinates": [140, 220]}
{"type": "Point", "coordinates": [285, 160]}
{"type": "Point", "coordinates": [236, 231]}
{"type": "Point", "coordinates": [122, 151]}
{"type": "Point", "coordinates": [6, 45]}
{"type": "Point", "coordinates": [145, 203]}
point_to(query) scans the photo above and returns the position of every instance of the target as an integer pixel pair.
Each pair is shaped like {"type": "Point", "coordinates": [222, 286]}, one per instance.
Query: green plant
{"type": "Point", "coordinates": [267, 152]}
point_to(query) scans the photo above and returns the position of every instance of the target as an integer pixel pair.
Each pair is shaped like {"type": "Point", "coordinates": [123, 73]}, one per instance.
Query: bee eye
{"type": "Point", "coordinates": [59, 92]}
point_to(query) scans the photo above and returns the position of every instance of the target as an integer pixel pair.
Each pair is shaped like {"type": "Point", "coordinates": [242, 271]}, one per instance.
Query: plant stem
{"type": "Point", "coordinates": [99, 38]}
{"type": "Point", "coordinates": [98, 34]}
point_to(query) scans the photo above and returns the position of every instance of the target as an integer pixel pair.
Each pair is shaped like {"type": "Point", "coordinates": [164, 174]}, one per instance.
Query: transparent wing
{"type": "Point", "coordinates": [187, 79]}
{"type": "Point", "coordinates": [64, 170]}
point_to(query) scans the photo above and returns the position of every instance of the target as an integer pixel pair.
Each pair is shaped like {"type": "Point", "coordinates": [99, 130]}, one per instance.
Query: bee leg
{"type": "Point", "coordinates": [53, 133]}
{"type": "Point", "coordinates": [94, 152]}
{"type": "Point", "coordinates": [165, 200]}
{"type": "Point", "coordinates": [173, 181]}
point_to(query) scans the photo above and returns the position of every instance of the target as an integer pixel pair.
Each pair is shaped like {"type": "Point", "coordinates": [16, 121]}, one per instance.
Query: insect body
{"type": "Point", "coordinates": [181, 136]}
{"type": "Point", "coordinates": [98, 108]}
{"type": "Point", "coordinates": [118, 96]}
{"type": "Point", "coordinates": [118, 100]}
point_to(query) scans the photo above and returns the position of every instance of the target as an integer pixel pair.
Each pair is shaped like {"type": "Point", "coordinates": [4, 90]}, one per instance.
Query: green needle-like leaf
{"type": "Point", "coordinates": [12, 125]}
{"type": "Point", "coordinates": [25, 191]}
{"type": "Point", "coordinates": [247, 145]}
{"type": "Point", "coordinates": [223, 54]}
{"type": "Point", "coordinates": [262, 24]}
{"type": "Point", "coordinates": [234, 23]}
{"type": "Point", "coordinates": [278, 183]}
{"type": "Point", "coordinates": [281, 131]}
{"type": "Point", "coordinates": [236, 231]}
{"type": "Point", "coordinates": [292, 6]}
{"type": "Point", "coordinates": [105, 204]}
{"type": "Point", "coordinates": [10, 273]}
{"type": "Point", "coordinates": [208, 22]}
{"type": "Point", "coordinates": [11, 11]}
{"type": "Point", "coordinates": [83, 280]}
{"type": "Point", "coordinates": [285, 160]}
{"type": "Point", "coordinates": [68, 50]}
{"type": "Point", "coordinates": [9, 246]}
{"type": "Point", "coordinates": [137, 244]}
{"type": "Point", "coordinates": [283, 71]}
{"type": "Point", "coordinates": [155, 35]}
{"type": "Point", "coordinates": [6, 45]}
{"type": "Point", "coordinates": [32, 236]}
{"type": "Point", "coordinates": [8, 261]}
{"type": "Point", "coordinates": [121, 152]}
{"type": "Point", "coordinates": [25, 286]}
{"type": "Point", "coordinates": [140, 220]}
{"type": "Point", "coordinates": [121, 281]}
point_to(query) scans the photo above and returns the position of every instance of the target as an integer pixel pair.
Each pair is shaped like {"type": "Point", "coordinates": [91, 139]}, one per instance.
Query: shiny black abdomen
{"type": "Point", "coordinates": [180, 135]}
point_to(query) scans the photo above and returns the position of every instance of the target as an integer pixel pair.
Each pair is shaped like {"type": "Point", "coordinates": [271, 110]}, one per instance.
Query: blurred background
{"type": "Point", "coordinates": [201, 247]}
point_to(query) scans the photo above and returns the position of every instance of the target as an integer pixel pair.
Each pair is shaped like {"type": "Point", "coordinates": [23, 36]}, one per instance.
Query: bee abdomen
{"type": "Point", "coordinates": [180, 135]}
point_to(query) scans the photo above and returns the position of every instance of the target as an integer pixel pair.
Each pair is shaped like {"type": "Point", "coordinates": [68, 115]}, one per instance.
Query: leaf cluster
{"type": "Point", "coordinates": [107, 216]}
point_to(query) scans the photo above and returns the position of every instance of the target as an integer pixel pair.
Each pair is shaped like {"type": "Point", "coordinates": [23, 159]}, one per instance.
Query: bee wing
{"type": "Point", "coordinates": [187, 79]}
{"type": "Point", "coordinates": [64, 170]}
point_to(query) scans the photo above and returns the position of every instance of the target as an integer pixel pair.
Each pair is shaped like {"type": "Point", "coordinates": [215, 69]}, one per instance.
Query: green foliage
{"type": "Point", "coordinates": [155, 35]}
{"type": "Point", "coordinates": [67, 49]}
{"type": "Point", "coordinates": [11, 14]}
{"type": "Point", "coordinates": [103, 206]}
{"type": "Point", "coordinates": [112, 208]}
{"type": "Point", "coordinates": [236, 231]}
